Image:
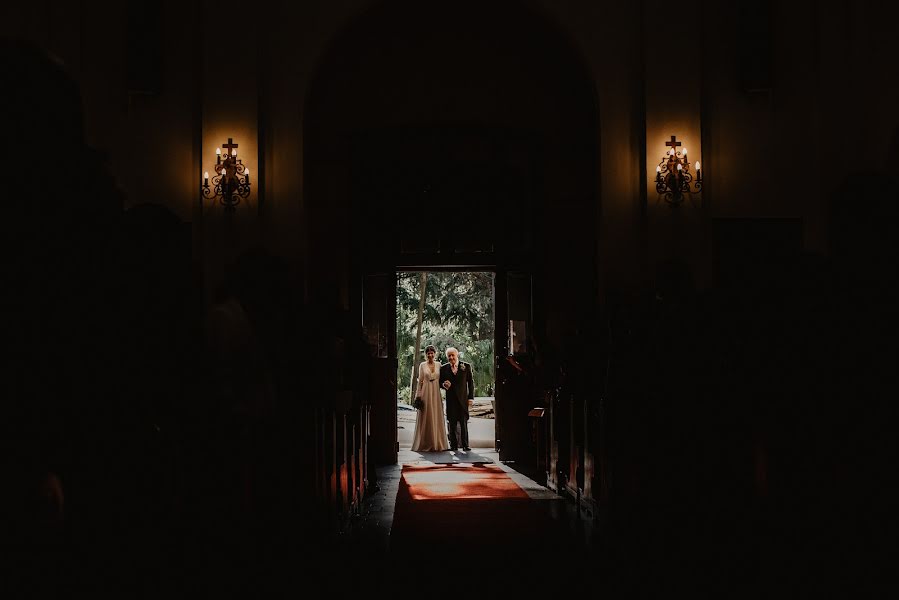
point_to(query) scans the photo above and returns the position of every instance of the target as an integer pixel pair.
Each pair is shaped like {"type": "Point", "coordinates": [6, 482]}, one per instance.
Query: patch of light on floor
{"type": "Point", "coordinates": [453, 482]}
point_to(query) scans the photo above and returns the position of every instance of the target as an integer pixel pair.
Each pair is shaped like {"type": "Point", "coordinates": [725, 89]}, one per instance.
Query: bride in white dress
{"type": "Point", "coordinates": [430, 422]}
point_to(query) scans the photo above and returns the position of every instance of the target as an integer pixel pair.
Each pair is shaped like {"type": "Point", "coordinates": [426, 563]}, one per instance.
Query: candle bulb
{"type": "Point", "coordinates": [685, 152]}
{"type": "Point", "coordinates": [680, 167]}
{"type": "Point", "coordinates": [247, 173]}
{"type": "Point", "coordinates": [658, 173]}
{"type": "Point", "coordinates": [233, 152]}
{"type": "Point", "coordinates": [206, 178]}
{"type": "Point", "coordinates": [218, 156]}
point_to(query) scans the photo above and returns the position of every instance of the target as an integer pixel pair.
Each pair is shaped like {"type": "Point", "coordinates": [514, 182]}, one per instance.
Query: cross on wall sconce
{"type": "Point", "coordinates": [231, 181]}
{"type": "Point", "coordinates": [673, 177]}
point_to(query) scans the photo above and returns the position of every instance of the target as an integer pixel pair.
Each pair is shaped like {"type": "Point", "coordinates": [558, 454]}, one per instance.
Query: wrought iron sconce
{"type": "Point", "coordinates": [231, 180]}
{"type": "Point", "coordinates": [673, 177]}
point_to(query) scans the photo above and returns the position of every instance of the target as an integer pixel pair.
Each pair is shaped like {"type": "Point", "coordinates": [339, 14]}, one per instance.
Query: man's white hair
{"type": "Point", "coordinates": [451, 349]}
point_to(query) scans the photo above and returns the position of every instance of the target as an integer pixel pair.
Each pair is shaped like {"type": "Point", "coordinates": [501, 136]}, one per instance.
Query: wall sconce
{"type": "Point", "coordinates": [231, 181]}
{"type": "Point", "coordinates": [673, 177]}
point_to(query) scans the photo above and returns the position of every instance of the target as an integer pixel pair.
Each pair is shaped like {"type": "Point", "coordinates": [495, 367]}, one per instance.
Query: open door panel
{"type": "Point", "coordinates": [379, 321]}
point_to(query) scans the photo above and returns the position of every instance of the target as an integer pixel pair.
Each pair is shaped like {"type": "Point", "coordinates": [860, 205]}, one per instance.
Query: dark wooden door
{"type": "Point", "coordinates": [379, 320]}
{"type": "Point", "coordinates": [514, 358]}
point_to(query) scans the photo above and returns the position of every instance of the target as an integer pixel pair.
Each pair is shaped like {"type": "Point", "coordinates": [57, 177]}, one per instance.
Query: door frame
{"type": "Point", "coordinates": [483, 267]}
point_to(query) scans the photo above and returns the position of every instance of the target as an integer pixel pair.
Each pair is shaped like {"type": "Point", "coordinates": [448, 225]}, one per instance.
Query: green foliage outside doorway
{"type": "Point", "coordinates": [458, 311]}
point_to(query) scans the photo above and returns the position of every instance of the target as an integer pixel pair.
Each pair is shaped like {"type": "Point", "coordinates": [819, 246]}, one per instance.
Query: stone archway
{"type": "Point", "coordinates": [488, 104]}
{"type": "Point", "coordinates": [483, 109]}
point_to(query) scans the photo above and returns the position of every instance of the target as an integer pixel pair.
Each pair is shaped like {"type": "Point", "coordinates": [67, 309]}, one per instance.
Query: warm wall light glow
{"type": "Point", "coordinates": [233, 182]}
{"type": "Point", "coordinates": [674, 181]}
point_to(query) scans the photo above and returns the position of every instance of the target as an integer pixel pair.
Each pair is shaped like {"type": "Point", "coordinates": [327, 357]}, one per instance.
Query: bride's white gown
{"type": "Point", "coordinates": [430, 422]}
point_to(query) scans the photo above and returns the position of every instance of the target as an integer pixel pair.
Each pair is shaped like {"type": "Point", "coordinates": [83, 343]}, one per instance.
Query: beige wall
{"type": "Point", "coordinates": [831, 112]}
{"type": "Point", "coordinates": [673, 108]}
{"type": "Point", "coordinates": [148, 138]}
{"type": "Point", "coordinates": [608, 37]}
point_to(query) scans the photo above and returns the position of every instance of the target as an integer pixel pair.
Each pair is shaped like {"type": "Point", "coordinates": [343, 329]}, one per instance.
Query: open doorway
{"type": "Point", "coordinates": [447, 309]}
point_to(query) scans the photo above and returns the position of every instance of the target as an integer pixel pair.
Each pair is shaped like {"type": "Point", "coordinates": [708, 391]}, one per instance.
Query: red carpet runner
{"type": "Point", "coordinates": [465, 508]}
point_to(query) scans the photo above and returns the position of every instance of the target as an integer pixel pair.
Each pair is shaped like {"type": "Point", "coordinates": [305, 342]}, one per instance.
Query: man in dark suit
{"type": "Point", "coordinates": [457, 379]}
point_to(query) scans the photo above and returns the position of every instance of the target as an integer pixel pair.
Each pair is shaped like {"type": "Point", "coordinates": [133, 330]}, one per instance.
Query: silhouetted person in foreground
{"type": "Point", "coordinates": [159, 317]}
{"type": "Point", "coordinates": [58, 236]}
{"type": "Point", "coordinates": [862, 366]}
{"type": "Point", "coordinates": [250, 447]}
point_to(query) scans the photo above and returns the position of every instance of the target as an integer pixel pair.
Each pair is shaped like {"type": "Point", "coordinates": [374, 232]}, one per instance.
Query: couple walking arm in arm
{"type": "Point", "coordinates": [457, 379]}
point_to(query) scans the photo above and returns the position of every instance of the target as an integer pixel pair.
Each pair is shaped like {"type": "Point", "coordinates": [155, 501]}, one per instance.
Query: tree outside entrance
{"type": "Point", "coordinates": [457, 310]}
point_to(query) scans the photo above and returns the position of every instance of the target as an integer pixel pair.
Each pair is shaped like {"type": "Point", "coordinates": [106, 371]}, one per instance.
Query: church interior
{"type": "Point", "coordinates": [688, 210]}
